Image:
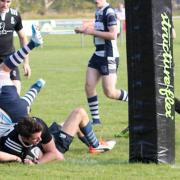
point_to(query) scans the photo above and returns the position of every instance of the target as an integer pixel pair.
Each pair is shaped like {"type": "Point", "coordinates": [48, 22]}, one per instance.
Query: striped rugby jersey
{"type": "Point", "coordinates": [104, 18]}
{"type": "Point", "coordinates": [13, 144]}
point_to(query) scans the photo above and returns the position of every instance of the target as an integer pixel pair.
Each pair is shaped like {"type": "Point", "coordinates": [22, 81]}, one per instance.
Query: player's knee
{"type": "Point", "coordinates": [80, 111]}
{"type": "Point", "coordinates": [109, 93]}
{"type": "Point", "coordinates": [80, 115]}
{"type": "Point", "coordinates": [89, 88]}
{"type": "Point", "coordinates": [87, 85]}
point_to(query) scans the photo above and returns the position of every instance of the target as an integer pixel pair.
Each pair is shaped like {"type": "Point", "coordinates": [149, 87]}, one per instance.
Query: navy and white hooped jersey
{"type": "Point", "coordinates": [104, 18]}
{"type": "Point", "coordinates": [9, 22]}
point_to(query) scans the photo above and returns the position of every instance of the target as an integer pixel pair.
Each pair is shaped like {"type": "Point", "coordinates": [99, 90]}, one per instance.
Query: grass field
{"type": "Point", "coordinates": [62, 63]}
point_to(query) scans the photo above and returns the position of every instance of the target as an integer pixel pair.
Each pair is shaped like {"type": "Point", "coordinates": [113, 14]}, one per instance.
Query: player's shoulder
{"type": "Point", "coordinates": [12, 136]}
{"type": "Point", "coordinates": [110, 10]}
{"type": "Point", "coordinates": [14, 12]}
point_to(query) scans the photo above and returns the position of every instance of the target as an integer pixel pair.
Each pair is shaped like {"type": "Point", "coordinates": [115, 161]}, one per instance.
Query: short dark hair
{"type": "Point", "coordinates": [28, 126]}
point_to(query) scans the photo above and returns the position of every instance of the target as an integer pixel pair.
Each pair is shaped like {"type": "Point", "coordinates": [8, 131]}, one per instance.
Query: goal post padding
{"type": "Point", "coordinates": [150, 81]}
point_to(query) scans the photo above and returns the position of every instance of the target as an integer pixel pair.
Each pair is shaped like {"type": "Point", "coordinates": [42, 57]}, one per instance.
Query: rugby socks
{"type": "Point", "coordinates": [123, 96]}
{"type": "Point", "coordinates": [17, 58]}
{"type": "Point", "coordinates": [84, 140]}
{"type": "Point", "coordinates": [33, 91]}
{"type": "Point", "coordinates": [90, 135]}
{"type": "Point", "coordinates": [94, 109]}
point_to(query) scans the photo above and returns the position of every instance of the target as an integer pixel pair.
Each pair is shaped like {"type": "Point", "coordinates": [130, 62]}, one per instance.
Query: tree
{"type": "Point", "coordinates": [47, 4]}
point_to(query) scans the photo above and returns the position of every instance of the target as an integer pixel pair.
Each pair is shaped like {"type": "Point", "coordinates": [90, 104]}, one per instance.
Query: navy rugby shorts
{"type": "Point", "coordinates": [105, 65]}
{"type": "Point", "coordinates": [62, 139]}
{"type": "Point", "coordinates": [12, 104]}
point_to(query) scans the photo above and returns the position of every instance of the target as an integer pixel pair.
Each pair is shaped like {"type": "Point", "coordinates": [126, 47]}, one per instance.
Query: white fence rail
{"type": "Point", "coordinates": [62, 27]}
{"type": "Point", "coordinates": [57, 26]}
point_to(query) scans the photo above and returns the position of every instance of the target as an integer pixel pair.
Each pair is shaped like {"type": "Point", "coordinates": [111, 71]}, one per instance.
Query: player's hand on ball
{"type": "Point", "coordinates": [32, 156]}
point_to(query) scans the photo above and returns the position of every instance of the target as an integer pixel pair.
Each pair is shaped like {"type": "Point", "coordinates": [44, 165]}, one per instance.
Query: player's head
{"type": "Point", "coordinates": [4, 5]}
{"type": "Point", "coordinates": [99, 3]}
{"type": "Point", "coordinates": [30, 130]}
{"type": "Point", "coordinates": [121, 5]}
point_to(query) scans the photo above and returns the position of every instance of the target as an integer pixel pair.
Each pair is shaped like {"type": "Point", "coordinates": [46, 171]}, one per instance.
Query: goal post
{"type": "Point", "coordinates": [150, 81]}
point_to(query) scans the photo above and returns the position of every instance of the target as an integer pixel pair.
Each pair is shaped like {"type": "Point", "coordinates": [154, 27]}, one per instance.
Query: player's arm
{"type": "Point", "coordinates": [9, 157]}
{"type": "Point", "coordinates": [24, 41]}
{"type": "Point", "coordinates": [50, 153]}
{"type": "Point", "coordinates": [110, 35]}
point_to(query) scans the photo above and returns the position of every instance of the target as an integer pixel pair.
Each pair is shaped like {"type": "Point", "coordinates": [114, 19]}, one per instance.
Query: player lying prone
{"type": "Point", "coordinates": [32, 142]}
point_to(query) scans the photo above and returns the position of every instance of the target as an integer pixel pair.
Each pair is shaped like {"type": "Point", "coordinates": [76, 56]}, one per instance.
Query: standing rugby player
{"type": "Point", "coordinates": [105, 60]}
{"type": "Point", "coordinates": [10, 21]}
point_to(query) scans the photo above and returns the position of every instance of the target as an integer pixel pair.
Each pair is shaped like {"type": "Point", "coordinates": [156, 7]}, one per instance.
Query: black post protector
{"type": "Point", "coordinates": [150, 81]}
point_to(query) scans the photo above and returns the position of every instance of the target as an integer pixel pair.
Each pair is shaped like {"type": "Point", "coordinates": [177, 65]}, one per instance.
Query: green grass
{"type": "Point", "coordinates": [62, 63]}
